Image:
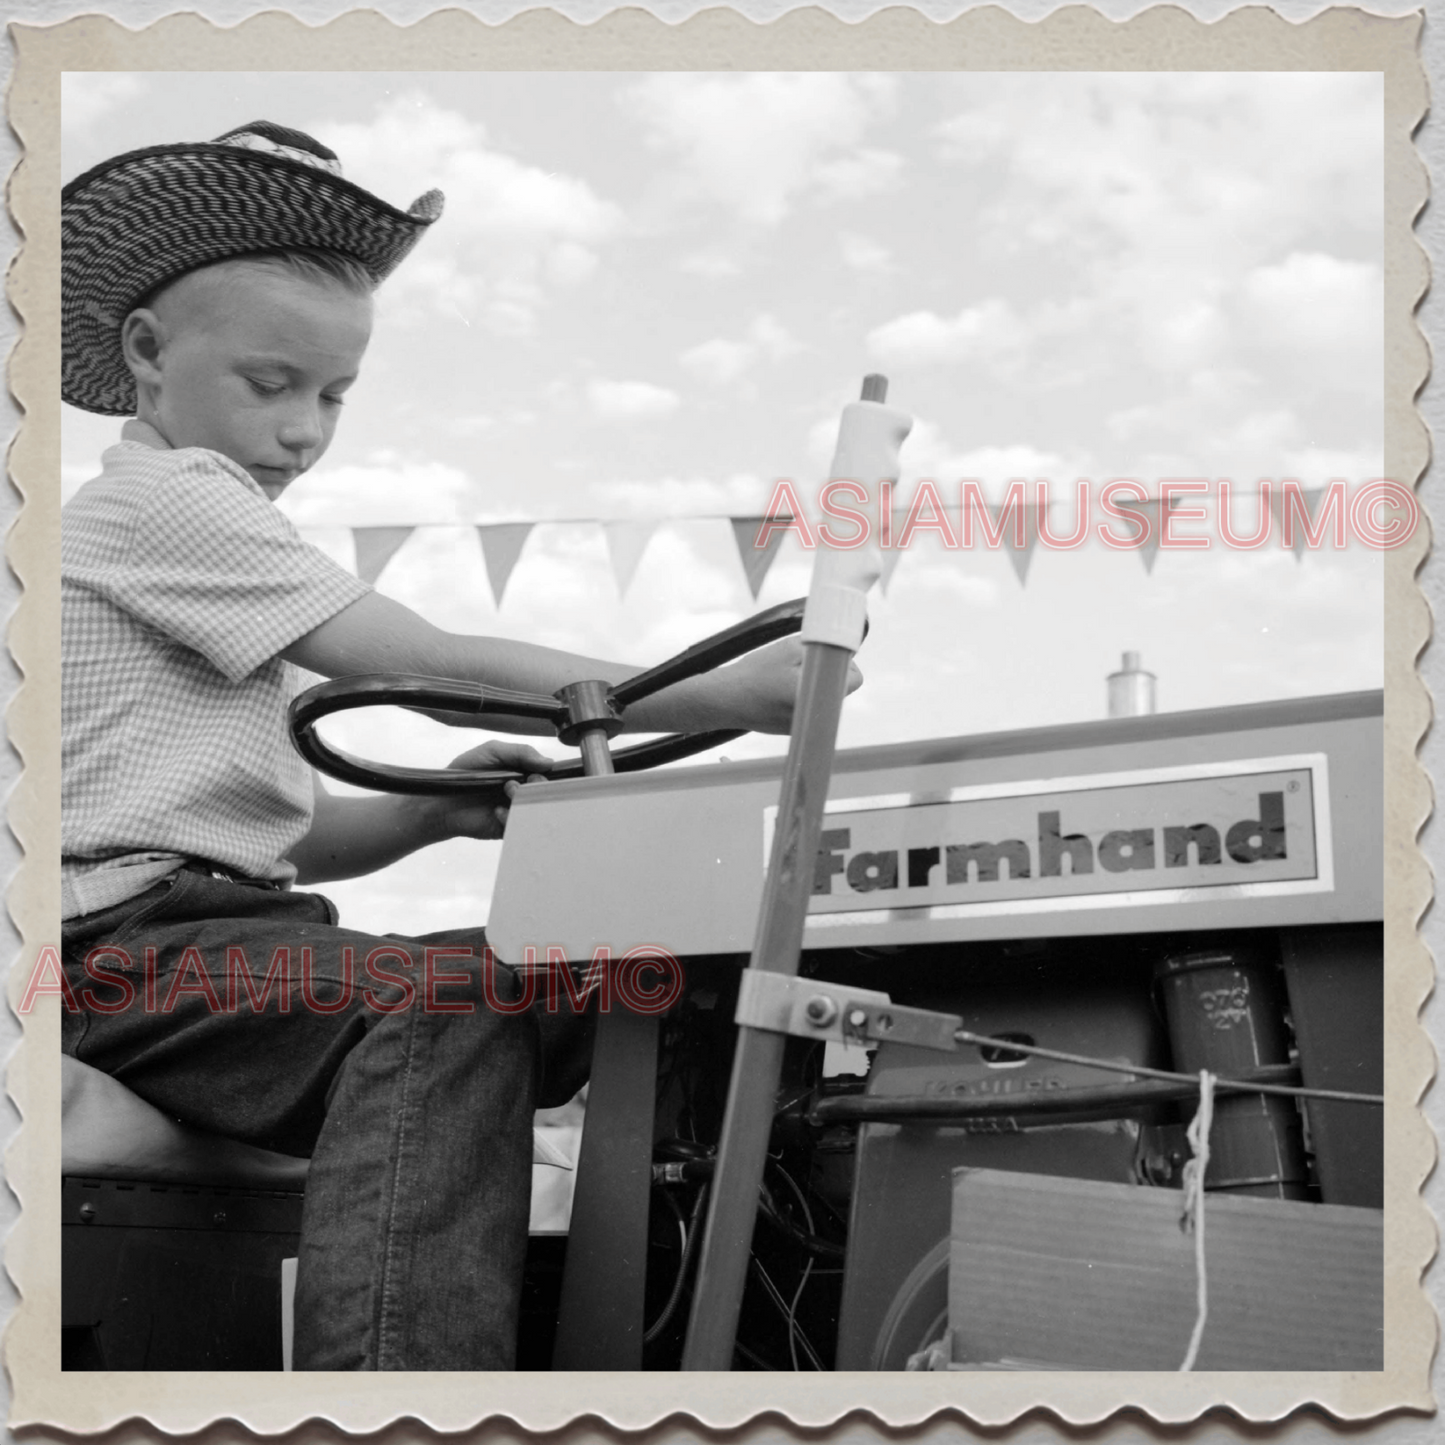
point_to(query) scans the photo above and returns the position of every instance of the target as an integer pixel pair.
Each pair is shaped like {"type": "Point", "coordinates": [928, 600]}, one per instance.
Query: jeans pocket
{"type": "Point", "coordinates": [153, 904]}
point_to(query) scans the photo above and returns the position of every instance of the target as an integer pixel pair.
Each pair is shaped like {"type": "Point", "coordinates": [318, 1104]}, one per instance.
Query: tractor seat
{"type": "Point", "coordinates": [107, 1132]}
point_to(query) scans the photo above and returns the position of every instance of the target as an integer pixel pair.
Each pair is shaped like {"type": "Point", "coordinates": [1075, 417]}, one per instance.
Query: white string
{"type": "Point", "coordinates": [1194, 1171]}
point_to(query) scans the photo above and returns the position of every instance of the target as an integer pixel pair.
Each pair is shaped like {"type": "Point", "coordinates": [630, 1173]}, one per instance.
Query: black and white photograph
{"type": "Point", "coordinates": [723, 720]}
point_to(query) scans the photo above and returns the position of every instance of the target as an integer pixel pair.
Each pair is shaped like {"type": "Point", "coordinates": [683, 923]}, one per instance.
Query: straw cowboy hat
{"type": "Point", "coordinates": [149, 216]}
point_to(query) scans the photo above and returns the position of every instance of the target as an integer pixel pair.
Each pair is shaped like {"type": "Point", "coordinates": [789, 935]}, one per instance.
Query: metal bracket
{"type": "Point", "coordinates": [809, 1008]}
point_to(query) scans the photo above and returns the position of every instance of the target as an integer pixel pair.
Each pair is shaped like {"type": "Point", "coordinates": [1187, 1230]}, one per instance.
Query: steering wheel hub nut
{"type": "Point", "coordinates": [590, 706]}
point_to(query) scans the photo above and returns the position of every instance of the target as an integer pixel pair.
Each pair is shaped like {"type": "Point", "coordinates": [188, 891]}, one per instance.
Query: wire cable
{"type": "Point", "coordinates": [776, 1295]}
{"type": "Point", "coordinates": [793, 1327]}
{"type": "Point", "coordinates": [689, 1237]}
{"type": "Point", "coordinates": [813, 1243]}
{"type": "Point", "coordinates": [1289, 1091]}
{"type": "Point", "coordinates": [748, 1354]}
{"type": "Point", "coordinates": [807, 1267]}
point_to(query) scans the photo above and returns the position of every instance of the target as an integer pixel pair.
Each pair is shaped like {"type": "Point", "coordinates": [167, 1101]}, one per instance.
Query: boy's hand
{"type": "Point", "coordinates": [352, 836]}
{"type": "Point", "coordinates": [764, 685]}
{"type": "Point", "coordinates": [481, 815]}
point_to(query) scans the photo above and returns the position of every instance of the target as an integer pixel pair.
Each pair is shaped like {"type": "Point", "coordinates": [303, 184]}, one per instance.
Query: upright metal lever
{"type": "Point", "coordinates": [838, 585]}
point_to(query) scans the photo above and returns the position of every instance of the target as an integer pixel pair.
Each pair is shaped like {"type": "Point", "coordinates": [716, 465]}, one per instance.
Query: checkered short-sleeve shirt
{"type": "Point", "coordinates": [179, 584]}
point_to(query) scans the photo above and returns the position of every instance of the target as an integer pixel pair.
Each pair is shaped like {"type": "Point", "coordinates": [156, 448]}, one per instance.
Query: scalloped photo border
{"type": "Point", "coordinates": [1077, 38]}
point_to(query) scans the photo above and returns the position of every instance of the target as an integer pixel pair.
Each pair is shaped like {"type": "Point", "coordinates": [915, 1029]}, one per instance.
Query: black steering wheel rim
{"type": "Point", "coordinates": [386, 689]}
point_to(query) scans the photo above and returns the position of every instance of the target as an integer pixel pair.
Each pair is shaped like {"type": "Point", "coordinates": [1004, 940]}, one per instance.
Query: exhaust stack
{"type": "Point", "coordinates": [1131, 689]}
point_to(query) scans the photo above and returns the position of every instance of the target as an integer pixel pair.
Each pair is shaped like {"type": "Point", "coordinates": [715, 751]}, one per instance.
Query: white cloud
{"type": "Point", "coordinates": [990, 331]}
{"type": "Point", "coordinates": [863, 253]}
{"type": "Point", "coordinates": [753, 143]}
{"type": "Point", "coordinates": [468, 426]}
{"type": "Point", "coordinates": [972, 136]}
{"type": "Point", "coordinates": [448, 885]}
{"type": "Point", "coordinates": [1130, 422]}
{"type": "Point", "coordinates": [336, 542]}
{"type": "Point", "coordinates": [690, 590]}
{"type": "Point", "coordinates": [570, 263]}
{"type": "Point", "coordinates": [718, 361]}
{"type": "Point", "coordinates": [1314, 465]}
{"type": "Point", "coordinates": [929, 453]}
{"type": "Point", "coordinates": [822, 439]}
{"type": "Point", "coordinates": [1186, 331]}
{"type": "Point", "coordinates": [855, 177]}
{"type": "Point", "coordinates": [771, 337]}
{"type": "Point", "coordinates": [510, 230]}
{"type": "Point", "coordinates": [1230, 423]}
{"type": "Point", "coordinates": [629, 400]}
{"type": "Point", "coordinates": [1149, 199]}
{"type": "Point", "coordinates": [1267, 429]}
{"type": "Point", "coordinates": [721, 360]}
{"type": "Point", "coordinates": [87, 96]}
{"type": "Point", "coordinates": [711, 265]}
{"type": "Point", "coordinates": [387, 490]}
{"type": "Point", "coordinates": [1312, 326]}
{"type": "Point", "coordinates": [1311, 300]}
{"type": "Point", "coordinates": [736, 496]}
{"type": "Point", "coordinates": [943, 574]}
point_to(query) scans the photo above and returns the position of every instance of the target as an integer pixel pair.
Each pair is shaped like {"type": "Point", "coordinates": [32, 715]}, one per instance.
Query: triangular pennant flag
{"type": "Point", "coordinates": [375, 547]}
{"type": "Point", "coordinates": [1020, 557]}
{"type": "Point", "coordinates": [756, 560]}
{"type": "Point", "coordinates": [1311, 500]}
{"type": "Point", "coordinates": [892, 554]}
{"type": "Point", "coordinates": [502, 544]}
{"type": "Point", "coordinates": [626, 542]}
{"type": "Point", "coordinates": [1148, 512]}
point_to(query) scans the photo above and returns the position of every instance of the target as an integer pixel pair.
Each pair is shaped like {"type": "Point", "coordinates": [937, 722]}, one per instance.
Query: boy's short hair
{"type": "Point", "coordinates": [309, 262]}
{"type": "Point", "coordinates": [133, 224]}
{"type": "Point", "coordinates": [317, 265]}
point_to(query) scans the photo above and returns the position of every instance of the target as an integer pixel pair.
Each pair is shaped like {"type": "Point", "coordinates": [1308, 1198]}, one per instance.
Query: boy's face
{"type": "Point", "coordinates": [251, 361]}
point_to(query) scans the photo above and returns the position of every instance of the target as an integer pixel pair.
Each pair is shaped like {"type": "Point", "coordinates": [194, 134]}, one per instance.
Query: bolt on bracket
{"type": "Point", "coordinates": [809, 1008]}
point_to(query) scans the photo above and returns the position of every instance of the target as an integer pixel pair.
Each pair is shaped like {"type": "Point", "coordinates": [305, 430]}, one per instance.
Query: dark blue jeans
{"type": "Point", "coordinates": [408, 1083]}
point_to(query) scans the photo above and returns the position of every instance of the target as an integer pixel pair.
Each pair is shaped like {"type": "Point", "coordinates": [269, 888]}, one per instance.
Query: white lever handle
{"type": "Point", "coordinates": [870, 437]}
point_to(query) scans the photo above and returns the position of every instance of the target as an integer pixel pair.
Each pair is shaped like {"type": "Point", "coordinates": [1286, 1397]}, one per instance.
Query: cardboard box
{"type": "Point", "coordinates": [1075, 1274]}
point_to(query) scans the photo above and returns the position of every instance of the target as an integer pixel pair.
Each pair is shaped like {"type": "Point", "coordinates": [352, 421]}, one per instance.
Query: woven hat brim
{"type": "Point", "coordinates": [146, 217]}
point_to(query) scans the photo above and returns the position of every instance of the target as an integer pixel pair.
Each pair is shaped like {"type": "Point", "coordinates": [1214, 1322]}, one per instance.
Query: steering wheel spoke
{"type": "Point", "coordinates": [565, 712]}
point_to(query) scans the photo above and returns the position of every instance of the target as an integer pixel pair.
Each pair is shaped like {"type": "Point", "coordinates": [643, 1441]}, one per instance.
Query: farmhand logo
{"type": "Point", "coordinates": [1213, 833]}
{"type": "Point", "coordinates": [647, 979]}
{"type": "Point", "coordinates": [1122, 514]}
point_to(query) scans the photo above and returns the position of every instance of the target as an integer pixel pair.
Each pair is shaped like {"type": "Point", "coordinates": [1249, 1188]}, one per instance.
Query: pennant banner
{"type": "Point", "coordinates": [375, 547]}
{"type": "Point", "coordinates": [1019, 556]}
{"type": "Point", "coordinates": [1148, 513]}
{"type": "Point", "coordinates": [892, 554]}
{"type": "Point", "coordinates": [1301, 524]}
{"type": "Point", "coordinates": [891, 558]}
{"type": "Point", "coordinates": [502, 544]}
{"type": "Point", "coordinates": [1310, 512]}
{"type": "Point", "coordinates": [626, 542]}
{"type": "Point", "coordinates": [757, 560]}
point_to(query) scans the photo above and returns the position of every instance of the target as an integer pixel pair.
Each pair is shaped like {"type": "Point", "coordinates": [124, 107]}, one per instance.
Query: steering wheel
{"type": "Point", "coordinates": [585, 714]}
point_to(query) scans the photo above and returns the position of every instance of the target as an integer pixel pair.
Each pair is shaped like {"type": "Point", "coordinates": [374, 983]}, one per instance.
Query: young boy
{"type": "Point", "coordinates": [220, 294]}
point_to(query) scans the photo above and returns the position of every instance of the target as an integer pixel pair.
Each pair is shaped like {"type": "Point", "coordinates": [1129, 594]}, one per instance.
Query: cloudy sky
{"type": "Point", "coordinates": [651, 294]}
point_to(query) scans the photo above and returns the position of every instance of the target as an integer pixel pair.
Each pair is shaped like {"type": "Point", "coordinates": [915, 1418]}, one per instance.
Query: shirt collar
{"type": "Point", "coordinates": [144, 434]}
{"type": "Point", "coordinates": [136, 430]}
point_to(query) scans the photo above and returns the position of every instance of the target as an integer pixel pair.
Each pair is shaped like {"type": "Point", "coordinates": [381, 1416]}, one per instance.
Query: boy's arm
{"type": "Point", "coordinates": [352, 836]}
{"type": "Point", "coordinates": [376, 634]}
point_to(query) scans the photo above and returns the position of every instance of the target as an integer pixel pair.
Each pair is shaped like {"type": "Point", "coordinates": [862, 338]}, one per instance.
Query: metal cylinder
{"type": "Point", "coordinates": [596, 756]}
{"type": "Point", "coordinates": [1225, 1014]}
{"type": "Point", "coordinates": [1131, 689]}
